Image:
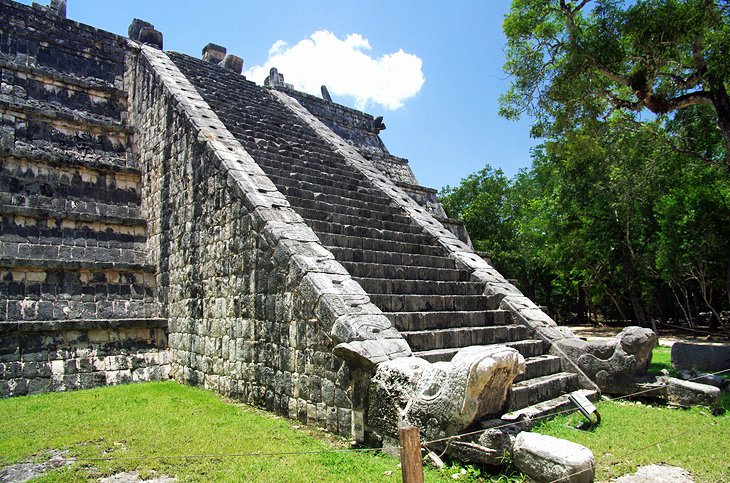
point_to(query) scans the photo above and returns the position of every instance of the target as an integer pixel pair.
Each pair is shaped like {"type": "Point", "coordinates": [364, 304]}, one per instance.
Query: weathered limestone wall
{"type": "Point", "coordinates": [77, 299]}
{"type": "Point", "coordinates": [256, 306]}
{"type": "Point", "coordinates": [62, 355]}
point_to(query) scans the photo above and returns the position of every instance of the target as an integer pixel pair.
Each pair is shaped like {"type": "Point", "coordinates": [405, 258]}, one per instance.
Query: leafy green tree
{"type": "Point", "coordinates": [481, 201]}
{"type": "Point", "coordinates": [575, 62]}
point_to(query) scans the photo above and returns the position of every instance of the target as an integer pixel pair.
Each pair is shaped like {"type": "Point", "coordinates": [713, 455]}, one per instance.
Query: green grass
{"type": "Point", "coordinates": [633, 434]}
{"type": "Point", "coordinates": [171, 429]}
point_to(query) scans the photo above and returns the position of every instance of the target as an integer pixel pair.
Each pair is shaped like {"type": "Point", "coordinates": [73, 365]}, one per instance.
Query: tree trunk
{"type": "Point", "coordinates": [721, 101]}
{"type": "Point", "coordinates": [637, 306]}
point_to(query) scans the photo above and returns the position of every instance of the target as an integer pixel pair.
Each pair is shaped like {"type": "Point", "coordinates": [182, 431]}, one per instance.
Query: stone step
{"type": "Point", "coordinates": [59, 325]}
{"type": "Point", "coordinates": [64, 47]}
{"type": "Point", "coordinates": [359, 193]}
{"type": "Point", "coordinates": [424, 303]}
{"type": "Point", "coordinates": [420, 287]}
{"type": "Point", "coordinates": [392, 215]}
{"type": "Point", "coordinates": [365, 243]}
{"type": "Point", "coordinates": [86, 306]}
{"type": "Point", "coordinates": [383, 206]}
{"type": "Point", "coordinates": [70, 256]}
{"type": "Point", "coordinates": [392, 271]}
{"type": "Point", "coordinates": [536, 390]}
{"type": "Point", "coordinates": [528, 348]}
{"type": "Point", "coordinates": [542, 410]}
{"type": "Point", "coordinates": [37, 290]}
{"type": "Point", "coordinates": [393, 258]}
{"type": "Point", "coordinates": [280, 165]}
{"type": "Point", "coordinates": [365, 231]}
{"type": "Point", "coordinates": [98, 89]}
{"type": "Point", "coordinates": [410, 321]}
{"type": "Point", "coordinates": [303, 173]}
{"type": "Point", "coordinates": [463, 337]}
{"type": "Point", "coordinates": [537, 366]}
{"type": "Point", "coordinates": [328, 216]}
{"type": "Point", "coordinates": [53, 111]}
{"type": "Point", "coordinates": [52, 154]}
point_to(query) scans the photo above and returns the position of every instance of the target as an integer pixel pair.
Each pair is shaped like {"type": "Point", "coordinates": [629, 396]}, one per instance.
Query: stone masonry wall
{"type": "Point", "coordinates": [250, 294]}
{"type": "Point", "coordinates": [63, 355]}
{"type": "Point", "coordinates": [77, 298]}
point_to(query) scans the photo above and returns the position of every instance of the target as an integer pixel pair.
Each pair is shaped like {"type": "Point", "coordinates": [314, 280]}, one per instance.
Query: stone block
{"type": "Point", "coordinates": [363, 327]}
{"type": "Point", "coordinates": [214, 53]}
{"type": "Point", "coordinates": [711, 357]}
{"type": "Point", "coordinates": [233, 62]}
{"type": "Point", "coordinates": [545, 459]}
{"type": "Point", "coordinates": [687, 394]}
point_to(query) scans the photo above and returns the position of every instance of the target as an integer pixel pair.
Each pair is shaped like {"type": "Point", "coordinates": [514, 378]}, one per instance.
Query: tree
{"type": "Point", "coordinates": [575, 62]}
{"type": "Point", "coordinates": [481, 202]}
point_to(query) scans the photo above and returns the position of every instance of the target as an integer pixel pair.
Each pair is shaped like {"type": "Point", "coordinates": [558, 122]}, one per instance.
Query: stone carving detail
{"type": "Point", "coordinates": [325, 93]}
{"type": "Point", "coordinates": [614, 364]}
{"type": "Point", "coordinates": [275, 79]}
{"type": "Point", "coordinates": [443, 398]}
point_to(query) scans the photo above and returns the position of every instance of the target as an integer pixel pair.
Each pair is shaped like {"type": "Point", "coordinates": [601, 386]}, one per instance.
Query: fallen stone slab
{"type": "Point", "coordinates": [687, 394]}
{"type": "Point", "coordinates": [705, 356]}
{"type": "Point", "coordinates": [545, 458]}
{"type": "Point", "coordinates": [657, 474]}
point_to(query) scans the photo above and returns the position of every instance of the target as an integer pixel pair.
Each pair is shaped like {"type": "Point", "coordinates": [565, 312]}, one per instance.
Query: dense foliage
{"type": "Point", "coordinates": [619, 217]}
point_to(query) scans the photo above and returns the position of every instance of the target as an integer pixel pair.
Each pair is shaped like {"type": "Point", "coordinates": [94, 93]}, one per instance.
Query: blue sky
{"type": "Point", "coordinates": [447, 129]}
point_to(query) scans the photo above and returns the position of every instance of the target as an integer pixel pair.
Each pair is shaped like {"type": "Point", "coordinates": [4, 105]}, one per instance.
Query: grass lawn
{"type": "Point", "coordinates": [195, 435]}
{"type": "Point", "coordinates": [171, 429]}
{"type": "Point", "coordinates": [633, 434]}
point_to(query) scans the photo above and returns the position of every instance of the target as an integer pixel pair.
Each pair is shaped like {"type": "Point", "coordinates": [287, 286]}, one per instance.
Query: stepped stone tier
{"type": "Point", "coordinates": [163, 216]}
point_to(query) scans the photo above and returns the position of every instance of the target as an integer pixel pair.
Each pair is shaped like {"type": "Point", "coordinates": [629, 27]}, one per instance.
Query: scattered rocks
{"type": "Point", "coordinates": [133, 477]}
{"type": "Point", "coordinates": [545, 458]}
{"type": "Point", "coordinates": [25, 471]}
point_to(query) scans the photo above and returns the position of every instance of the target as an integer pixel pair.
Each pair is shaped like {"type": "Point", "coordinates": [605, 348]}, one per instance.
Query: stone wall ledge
{"type": "Point", "coordinates": [50, 264]}
{"type": "Point", "coordinates": [66, 118]}
{"type": "Point", "coordinates": [34, 212]}
{"type": "Point", "coordinates": [415, 187]}
{"type": "Point", "coordinates": [33, 326]}
{"type": "Point", "coordinates": [340, 107]}
{"type": "Point", "coordinates": [46, 75]}
{"type": "Point", "coordinates": [99, 161]}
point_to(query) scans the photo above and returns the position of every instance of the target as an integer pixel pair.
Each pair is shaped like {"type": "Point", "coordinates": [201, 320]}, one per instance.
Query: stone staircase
{"type": "Point", "coordinates": [72, 235]}
{"type": "Point", "coordinates": [406, 273]}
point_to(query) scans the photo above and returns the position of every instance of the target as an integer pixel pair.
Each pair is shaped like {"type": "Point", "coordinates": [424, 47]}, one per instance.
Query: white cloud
{"type": "Point", "coordinates": [346, 68]}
